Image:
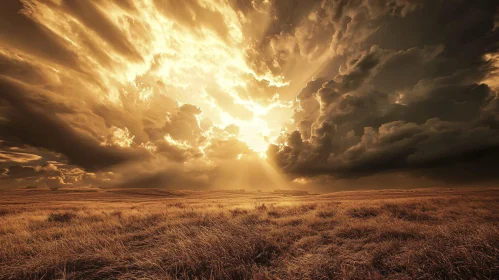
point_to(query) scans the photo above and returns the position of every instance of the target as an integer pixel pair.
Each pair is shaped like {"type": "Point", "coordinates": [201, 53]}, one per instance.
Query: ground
{"type": "Point", "coordinates": [159, 234]}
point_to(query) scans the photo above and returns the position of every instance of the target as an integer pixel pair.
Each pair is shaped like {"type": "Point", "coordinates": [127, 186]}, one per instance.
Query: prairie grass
{"type": "Point", "coordinates": [154, 234]}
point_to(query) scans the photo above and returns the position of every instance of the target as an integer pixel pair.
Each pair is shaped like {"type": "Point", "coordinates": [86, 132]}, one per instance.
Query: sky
{"type": "Point", "coordinates": [265, 94]}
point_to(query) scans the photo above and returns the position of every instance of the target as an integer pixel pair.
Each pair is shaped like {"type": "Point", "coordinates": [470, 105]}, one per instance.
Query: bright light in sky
{"type": "Point", "coordinates": [186, 92]}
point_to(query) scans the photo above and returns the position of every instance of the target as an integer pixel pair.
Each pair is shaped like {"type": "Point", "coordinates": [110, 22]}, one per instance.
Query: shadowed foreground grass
{"type": "Point", "coordinates": [153, 234]}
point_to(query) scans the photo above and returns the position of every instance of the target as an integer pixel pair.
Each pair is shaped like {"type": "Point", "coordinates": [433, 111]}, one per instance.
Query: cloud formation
{"type": "Point", "coordinates": [423, 109]}
{"type": "Point", "coordinates": [257, 94]}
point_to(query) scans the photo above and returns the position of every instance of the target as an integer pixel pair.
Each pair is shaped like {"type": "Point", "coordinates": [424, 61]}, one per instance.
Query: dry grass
{"type": "Point", "coordinates": [154, 234]}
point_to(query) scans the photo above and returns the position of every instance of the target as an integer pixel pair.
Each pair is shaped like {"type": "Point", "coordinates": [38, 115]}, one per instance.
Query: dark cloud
{"type": "Point", "coordinates": [26, 172]}
{"type": "Point", "coordinates": [47, 175]}
{"type": "Point", "coordinates": [439, 149]}
{"type": "Point", "coordinates": [419, 108]}
{"type": "Point", "coordinates": [404, 68]}
{"type": "Point", "coordinates": [30, 118]}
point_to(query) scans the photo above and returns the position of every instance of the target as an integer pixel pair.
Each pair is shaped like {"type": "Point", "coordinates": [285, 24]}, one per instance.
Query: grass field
{"type": "Point", "coordinates": [155, 234]}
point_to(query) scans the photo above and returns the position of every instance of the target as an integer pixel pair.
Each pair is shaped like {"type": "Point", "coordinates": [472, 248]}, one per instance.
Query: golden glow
{"type": "Point", "coordinates": [491, 79]}
{"type": "Point", "coordinates": [168, 82]}
{"type": "Point", "coordinates": [191, 64]}
{"type": "Point", "coordinates": [120, 137]}
{"type": "Point", "coordinates": [180, 144]}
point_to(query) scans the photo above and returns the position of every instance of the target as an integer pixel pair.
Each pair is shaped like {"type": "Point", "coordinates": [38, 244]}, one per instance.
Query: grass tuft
{"type": "Point", "coordinates": [60, 217]}
{"type": "Point", "coordinates": [363, 212]}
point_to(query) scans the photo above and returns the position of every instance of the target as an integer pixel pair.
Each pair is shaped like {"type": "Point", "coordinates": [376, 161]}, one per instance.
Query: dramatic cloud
{"type": "Point", "coordinates": [254, 94]}
{"type": "Point", "coordinates": [422, 108]}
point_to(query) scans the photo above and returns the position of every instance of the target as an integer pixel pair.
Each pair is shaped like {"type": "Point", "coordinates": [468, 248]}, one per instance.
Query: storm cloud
{"type": "Point", "coordinates": [258, 94]}
{"type": "Point", "coordinates": [422, 108]}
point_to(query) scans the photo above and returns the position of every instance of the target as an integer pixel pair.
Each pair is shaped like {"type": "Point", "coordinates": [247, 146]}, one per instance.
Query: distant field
{"type": "Point", "coordinates": [156, 234]}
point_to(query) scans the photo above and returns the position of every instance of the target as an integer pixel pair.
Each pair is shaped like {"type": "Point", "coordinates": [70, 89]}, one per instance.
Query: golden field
{"type": "Point", "coordinates": [159, 234]}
